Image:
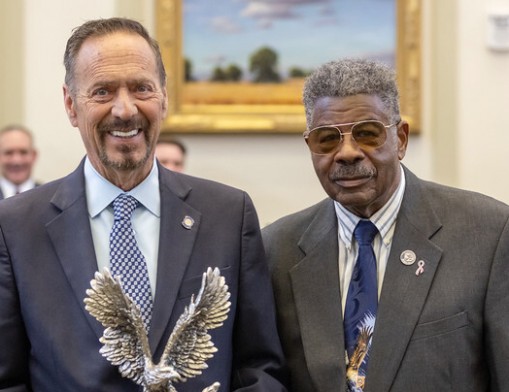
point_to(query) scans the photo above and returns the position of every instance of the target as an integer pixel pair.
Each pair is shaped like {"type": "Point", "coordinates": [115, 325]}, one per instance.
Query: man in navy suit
{"type": "Point", "coordinates": [54, 238]}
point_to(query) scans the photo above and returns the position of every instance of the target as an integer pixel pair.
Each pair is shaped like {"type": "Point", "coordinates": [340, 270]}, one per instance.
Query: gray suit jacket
{"type": "Point", "coordinates": [49, 342]}
{"type": "Point", "coordinates": [445, 330]}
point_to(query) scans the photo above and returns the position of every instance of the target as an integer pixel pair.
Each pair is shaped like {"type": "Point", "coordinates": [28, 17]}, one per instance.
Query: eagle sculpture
{"type": "Point", "coordinates": [125, 340]}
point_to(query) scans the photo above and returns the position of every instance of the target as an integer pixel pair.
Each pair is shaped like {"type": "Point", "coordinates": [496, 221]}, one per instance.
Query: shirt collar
{"type": "Point", "coordinates": [383, 219]}
{"type": "Point", "coordinates": [6, 184]}
{"type": "Point", "coordinates": [101, 193]}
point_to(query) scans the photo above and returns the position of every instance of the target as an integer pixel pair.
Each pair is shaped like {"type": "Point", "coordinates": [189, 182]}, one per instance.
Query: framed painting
{"type": "Point", "coordinates": [239, 66]}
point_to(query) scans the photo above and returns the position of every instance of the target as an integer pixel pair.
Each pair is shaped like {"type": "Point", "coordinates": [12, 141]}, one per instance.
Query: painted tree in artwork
{"type": "Point", "coordinates": [218, 75]}
{"type": "Point", "coordinates": [263, 65]}
{"type": "Point", "coordinates": [233, 72]}
{"type": "Point", "coordinates": [188, 70]}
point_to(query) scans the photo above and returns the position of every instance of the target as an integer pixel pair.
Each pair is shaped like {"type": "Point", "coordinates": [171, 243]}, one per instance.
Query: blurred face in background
{"type": "Point", "coordinates": [170, 156]}
{"type": "Point", "coordinates": [17, 156]}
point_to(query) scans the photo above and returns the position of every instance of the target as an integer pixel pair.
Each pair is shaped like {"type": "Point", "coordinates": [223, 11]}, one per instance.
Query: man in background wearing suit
{"type": "Point", "coordinates": [429, 294]}
{"type": "Point", "coordinates": [17, 159]}
{"type": "Point", "coordinates": [53, 239]}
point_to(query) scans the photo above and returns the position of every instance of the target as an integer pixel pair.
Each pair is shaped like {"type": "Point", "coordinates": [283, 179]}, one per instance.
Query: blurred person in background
{"type": "Point", "coordinates": [17, 158]}
{"type": "Point", "coordinates": [171, 153]}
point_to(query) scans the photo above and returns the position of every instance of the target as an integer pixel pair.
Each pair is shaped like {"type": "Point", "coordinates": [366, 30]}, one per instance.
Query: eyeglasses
{"type": "Point", "coordinates": [367, 134]}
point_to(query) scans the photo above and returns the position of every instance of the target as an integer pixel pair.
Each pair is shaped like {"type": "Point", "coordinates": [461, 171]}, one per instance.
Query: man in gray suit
{"type": "Point", "coordinates": [54, 238]}
{"type": "Point", "coordinates": [442, 256]}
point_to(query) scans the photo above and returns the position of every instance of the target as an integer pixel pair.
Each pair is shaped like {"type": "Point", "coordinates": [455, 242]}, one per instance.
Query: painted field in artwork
{"type": "Point", "coordinates": [288, 92]}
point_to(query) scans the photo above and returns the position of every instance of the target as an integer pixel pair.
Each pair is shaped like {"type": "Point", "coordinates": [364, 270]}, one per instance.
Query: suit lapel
{"type": "Point", "coordinates": [175, 244]}
{"type": "Point", "coordinates": [175, 247]}
{"type": "Point", "coordinates": [79, 266]}
{"type": "Point", "coordinates": [404, 293]}
{"type": "Point", "coordinates": [315, 282]}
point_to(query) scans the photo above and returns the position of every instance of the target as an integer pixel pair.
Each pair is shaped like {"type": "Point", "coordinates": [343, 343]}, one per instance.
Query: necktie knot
{"type": "Point", "coordinates": [124, 206]}
{"type": "Point", "coordinates": [365, 232]}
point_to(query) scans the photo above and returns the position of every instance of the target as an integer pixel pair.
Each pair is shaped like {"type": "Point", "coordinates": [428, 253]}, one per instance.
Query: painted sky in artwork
{"type": "Point", "coordinates": [304, 33]}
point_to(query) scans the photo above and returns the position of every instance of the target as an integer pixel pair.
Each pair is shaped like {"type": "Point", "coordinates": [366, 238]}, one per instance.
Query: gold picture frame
{"type": "Point", "coordinates": [287, 118]}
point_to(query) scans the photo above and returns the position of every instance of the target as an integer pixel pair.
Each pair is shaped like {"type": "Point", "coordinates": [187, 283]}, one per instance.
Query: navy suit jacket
{"type": "Point", "coordinates": [49, 342]}
{"type": "Point", "coordinates": [446, 329]}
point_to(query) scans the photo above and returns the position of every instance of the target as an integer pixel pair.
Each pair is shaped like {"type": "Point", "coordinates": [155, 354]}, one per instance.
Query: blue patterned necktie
{"type": "Point", "coordinates": [361, 306]}
{"type": "Point", "coordinates": [126, 258]}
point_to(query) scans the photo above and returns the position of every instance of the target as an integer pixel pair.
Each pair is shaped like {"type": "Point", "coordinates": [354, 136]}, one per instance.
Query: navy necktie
{"type": "Point", "coordinates": [361, 306]}
{"type": "Point", "coordinates": [126, 258]}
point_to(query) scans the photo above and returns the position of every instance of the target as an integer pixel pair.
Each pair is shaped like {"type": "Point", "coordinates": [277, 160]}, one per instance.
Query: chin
{"type": "Point", "coordinates": [17, 180]}
{"type": "Point", "coordinates": [354, 200]}
{"type": "Point", "coordinates": [125, 162]}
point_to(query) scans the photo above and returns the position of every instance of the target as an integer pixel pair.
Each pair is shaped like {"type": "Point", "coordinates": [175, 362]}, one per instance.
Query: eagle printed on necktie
{"type": "Point", "coordinates": [354, 376]}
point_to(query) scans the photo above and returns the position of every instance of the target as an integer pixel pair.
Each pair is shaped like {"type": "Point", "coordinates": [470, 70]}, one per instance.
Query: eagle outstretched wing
{"type": "Point", "coordinates": [125, 342]}
{"type": "Point", "coordinates": [189, 345]}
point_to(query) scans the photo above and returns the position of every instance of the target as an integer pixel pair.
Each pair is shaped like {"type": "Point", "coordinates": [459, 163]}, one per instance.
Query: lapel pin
{"type": "Point", "coordinates": [420, 267]}
{"type": "Point", "coordinates": [188, 222]}
{"type": "Point", "coordinates": [408, 257]}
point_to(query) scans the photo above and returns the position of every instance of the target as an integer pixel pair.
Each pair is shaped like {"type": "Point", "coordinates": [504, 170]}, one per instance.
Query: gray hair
{"type": "Point", "coordinates": [101, 27]}
{"type": "Point", "coordinates": [346, 77]}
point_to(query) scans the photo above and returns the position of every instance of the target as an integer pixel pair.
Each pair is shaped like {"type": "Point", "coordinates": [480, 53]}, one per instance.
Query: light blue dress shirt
{"type": "Point", "coordinates": [146, 218]}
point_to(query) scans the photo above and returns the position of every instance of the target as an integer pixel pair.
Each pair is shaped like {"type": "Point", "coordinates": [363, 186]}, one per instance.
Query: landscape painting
{"type": "Point", "coordinates": [241, 64]}
{"type": "Point", "coordinates": [258, 52]}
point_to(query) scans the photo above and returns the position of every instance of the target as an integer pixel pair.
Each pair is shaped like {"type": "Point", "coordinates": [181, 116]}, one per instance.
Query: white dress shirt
{"type": "Point", "coordinates": [146, 218]}
{"type": "Point", "coordinates": [9, 189]}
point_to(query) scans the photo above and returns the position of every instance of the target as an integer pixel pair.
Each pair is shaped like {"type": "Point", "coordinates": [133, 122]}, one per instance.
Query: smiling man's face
{"type": "Point", "coordinates": [118, 103]}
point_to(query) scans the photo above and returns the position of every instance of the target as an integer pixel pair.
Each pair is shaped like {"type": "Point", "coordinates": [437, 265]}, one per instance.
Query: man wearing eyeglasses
{"type": "Point", "coordinates": [392, 283]}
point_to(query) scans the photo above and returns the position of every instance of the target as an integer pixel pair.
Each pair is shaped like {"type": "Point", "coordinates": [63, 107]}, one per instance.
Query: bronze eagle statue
{"type": "Point", "coordinates": [125, 340]}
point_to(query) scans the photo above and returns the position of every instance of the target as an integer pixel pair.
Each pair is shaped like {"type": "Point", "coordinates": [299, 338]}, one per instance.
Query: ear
{"type": "Point", "coordinates": [403, 129]}
{"type": "Point", "coordinates": [165, 103]}
{"type": "Point", "coordinates": [69, 106]}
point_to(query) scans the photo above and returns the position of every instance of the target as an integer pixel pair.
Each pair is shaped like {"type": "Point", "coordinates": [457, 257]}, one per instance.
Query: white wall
{"type": "Point", "coordinates": [48, 25]}
{"type": "Point", "coordinates": [483, 104]}
{"type": "Point", "coordinates": [12, 64]}
{"type": "Point", "coordinates": [465, 95]}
